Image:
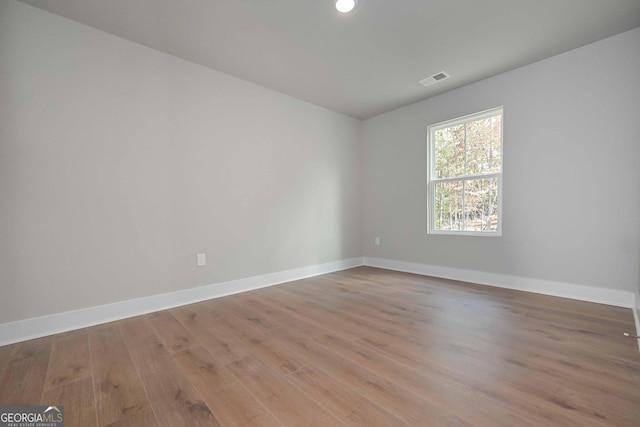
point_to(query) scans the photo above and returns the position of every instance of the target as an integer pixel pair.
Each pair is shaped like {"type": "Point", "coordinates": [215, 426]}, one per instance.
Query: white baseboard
{"type": "Point", "coordinates": [23, 330]}
{"type": "Point", "coordinates": [559, 289]}
{"type": "Point", "coordinates": [636, 317]}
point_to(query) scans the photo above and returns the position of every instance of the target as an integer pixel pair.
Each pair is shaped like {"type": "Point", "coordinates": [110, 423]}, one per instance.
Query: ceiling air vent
{"type": "Point", "coordinates": [434, 79]}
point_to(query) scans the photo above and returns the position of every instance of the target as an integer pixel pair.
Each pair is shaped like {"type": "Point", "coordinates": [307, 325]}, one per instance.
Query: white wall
{"type": "Point", "coordinates": [118, 163]}
{"type": "Point", "coordinates": [571, 173]}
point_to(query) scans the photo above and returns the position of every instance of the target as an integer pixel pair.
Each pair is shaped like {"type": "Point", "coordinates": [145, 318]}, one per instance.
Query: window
{"type": "Point", "coordinates": [465, 175]}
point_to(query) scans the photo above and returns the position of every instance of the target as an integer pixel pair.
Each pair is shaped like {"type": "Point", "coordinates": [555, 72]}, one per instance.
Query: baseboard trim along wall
{"type": "Point", "coordinates": [559, 289]}
{"type": "Point", "coordinates": [636, 317]}
{"type": "Point", "coordinates": [24, 330]}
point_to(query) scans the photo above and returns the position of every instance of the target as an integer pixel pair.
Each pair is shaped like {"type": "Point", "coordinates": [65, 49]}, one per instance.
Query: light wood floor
{"type": "Point", "coordinates": [363, 347]}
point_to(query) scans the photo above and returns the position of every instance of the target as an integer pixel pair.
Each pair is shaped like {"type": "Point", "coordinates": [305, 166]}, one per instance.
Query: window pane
{"type": "Point", "coordinates": [467, 168]}
{"type": "Point", "coordinates": [483, 145]}
{"type": "Point", "coordinates": [481, 204]}
{"type": "Point", "coordinates": [448, 212]}
{"type": "Point", "coordinates": [449, 152]}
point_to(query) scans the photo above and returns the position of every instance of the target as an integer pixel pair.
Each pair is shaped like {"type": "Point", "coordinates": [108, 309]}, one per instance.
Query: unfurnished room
{"type": "Point", "coordinates": [319, 213]}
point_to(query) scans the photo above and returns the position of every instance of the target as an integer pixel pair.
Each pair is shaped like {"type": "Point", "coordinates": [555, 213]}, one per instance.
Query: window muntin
{"type": "Point", "coordinates": [465, 175]}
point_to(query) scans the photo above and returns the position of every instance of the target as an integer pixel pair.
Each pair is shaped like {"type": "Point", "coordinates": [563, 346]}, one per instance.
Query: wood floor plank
{"type": "Point", "coordinates": [135, 329]}
{"type": "Point", "coordinates": [143, 418]}
{"type": "Point", "coordinates": [174, 400]}
{"type": "Point", "coordinates": [284, 400]}
{"type": "Point", "coordinates": [24, 368]}
{"type": "Point", "coordinates": [118, 389]}
{"type": "Point", "coordinates": [363, 346]}
{"type": "Point", "coordinates": [346, 404]}
{"type": "Point", "coordinates": [502, 384]}
{"type": "Point", "coordinates": [70, 359]}
{"type": "Point", "coordinates": [590, 404]}
{"type": "Point", "coordinates": [254, 335]}
{"type": "Point", "coordinates": [295, 324]}
{"type": "Point", "coordinates": [203, 369]}
{"type": "Point", "coordinates": [78, 401]}
{"type": "Point", "coordinates": [549, 365]}
{"type": "Point", "coordinates": [216, 338]}
{"type": "Point", "coordinates": [591, 371]}
{"type": "Point", "coordinates": [175, 336]}
{"type": "Point", "coordinates": [405, 405]}
{"type": "Point", "coordinates": [329, 316]}
{"type": "Point", "coordinates": [229, 401]}
{"type": "Point", "coordinates": [546, 367]}
{"type": "Point", "coordinates": [235, 309]}
{"type": "Point", "coordinates": [541, 333]}
{"type": "Point", "coordinates": [443, 389]}
{"type": "Point", "coordinates": [235, 406]}
{"type": "Point", "coordinates": [434, 333]}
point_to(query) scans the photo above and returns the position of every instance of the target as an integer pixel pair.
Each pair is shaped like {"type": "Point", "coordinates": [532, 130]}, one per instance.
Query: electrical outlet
{"type": "Point", "coordinates": [201, 259]}
{"type": "Point", "coordinates": [377, 241]}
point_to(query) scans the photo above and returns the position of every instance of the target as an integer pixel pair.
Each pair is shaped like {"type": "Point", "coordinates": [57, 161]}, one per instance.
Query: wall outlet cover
{"type": "Point", "coordinates": [201, 259]}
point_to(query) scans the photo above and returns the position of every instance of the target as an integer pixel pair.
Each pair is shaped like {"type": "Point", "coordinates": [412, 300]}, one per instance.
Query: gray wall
{"type": "Point", "coordinates": [119, 163]}
{"type": "Point", "coordinates": [571, 173]}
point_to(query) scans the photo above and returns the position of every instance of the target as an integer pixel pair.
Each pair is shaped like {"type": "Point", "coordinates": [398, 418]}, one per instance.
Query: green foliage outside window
{"type": "Point", "coordinates": [472, 152]}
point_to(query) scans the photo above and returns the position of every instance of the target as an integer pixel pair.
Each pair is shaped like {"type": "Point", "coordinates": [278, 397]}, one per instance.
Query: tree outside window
{"type": "Point", "coordinates": [465, 177]}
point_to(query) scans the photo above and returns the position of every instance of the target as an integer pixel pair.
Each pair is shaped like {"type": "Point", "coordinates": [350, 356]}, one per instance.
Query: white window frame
{"type": "Point", "coordinates": [431, 180]}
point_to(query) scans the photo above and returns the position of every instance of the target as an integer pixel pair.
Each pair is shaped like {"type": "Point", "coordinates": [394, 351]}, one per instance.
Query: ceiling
{"type": "Point", "coordinates": [363, 63]}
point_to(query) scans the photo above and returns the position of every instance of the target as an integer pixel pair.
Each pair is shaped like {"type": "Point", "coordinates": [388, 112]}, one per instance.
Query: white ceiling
{"type": "Point", "coordinates": [363, 63]}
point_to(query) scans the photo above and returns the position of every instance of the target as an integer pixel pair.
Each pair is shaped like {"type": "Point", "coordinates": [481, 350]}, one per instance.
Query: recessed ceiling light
{"type": "Point", "coordinates": [345, 6]}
